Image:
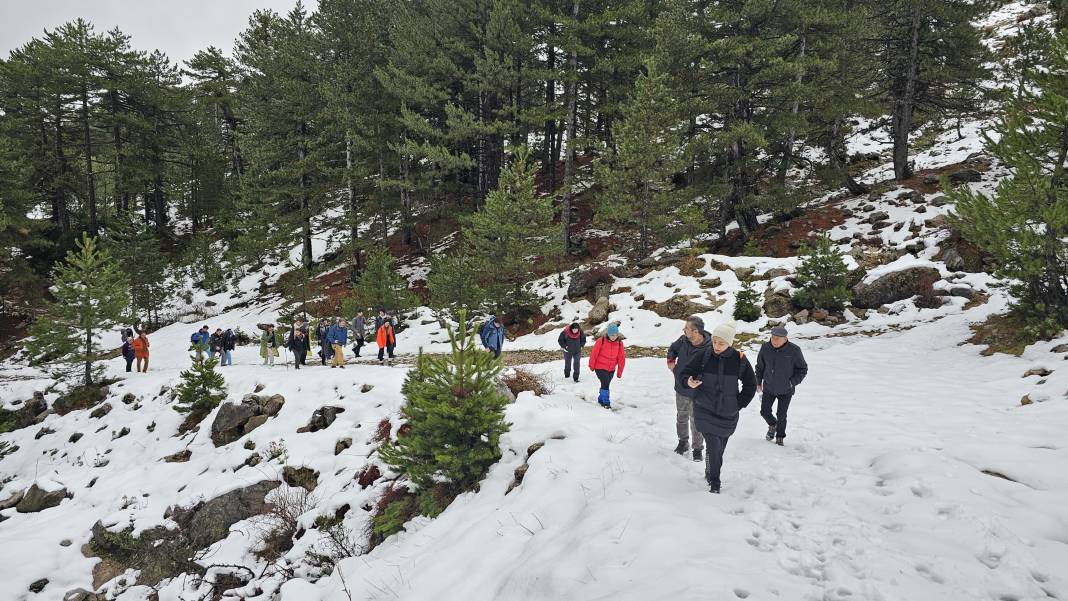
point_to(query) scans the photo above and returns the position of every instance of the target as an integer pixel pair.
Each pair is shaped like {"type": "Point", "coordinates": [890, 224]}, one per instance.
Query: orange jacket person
{"type": "Point", "coordinates": [140, 347]}
{"type": "Point", "coordinates": [387, 339]}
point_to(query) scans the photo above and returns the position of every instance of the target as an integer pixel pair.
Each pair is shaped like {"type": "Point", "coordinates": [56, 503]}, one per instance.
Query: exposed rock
{"type": "Point", "coordinates": [101, 411]}
{"type": "Point", "coordinates": [504, 391]}
{"type": "Point", "coordinates": [679, 307]}
{"type": "Point", "coordinates": [37, 499]}
{"type": "Point", "coordinates": [965, 176]}
{"type": "Point", "coordinates": [304, 477]}
{"type": "Point", "coordinates": [82, 397]}
{"type": "Point", "coordinates": [210, 521]}
{"type": "Point", "coordinates": [820, 315]}
{"type": "Point", "coordinates": [586, 281]}
{"type": "Point", "coordinates": [744, 273]}
{"type": "Point", "coordinates": [80, 594]}
{"type": "Point", "coordinates": [122, 432]}
{"type": "Point", "coordinates": [775, 272]}
{"type": "Point", "coordinates": [30, 413]}
{"type": "Point", "coordinates": [777, 304]}
{"type": "Point", "coordinates": [952, 259]}
{"type": "Point", "coordinates": [878, 216]}
{"type": "Point", "coordinates": [1041, 372]}
{"type": "Point", "coordinates": [341, 445]}
{"type": "Point", "coordinates": [11, 501]}
{"type": "Point", "coordinates": [230, 422]}
{"type": "Point", "coordinates": [253, 460]}
{"type": "Point", "coordinates": [599, 312]}
{"type": "Point", "coordinates": [129, 398]}
{"type": "Point", "coordinates": [44, 431]}
{"type": "Point", "coordinates": [963, 292]}
{"type": "Point", "coordinates": [254, 422]}
{"type": "Point", "coordinates": [38, 585]}
{"type": "Point", "coordinates": [259, 388]}
{"type": "Point", "coordinates": [367, 388]}
{"type": "Point", "coordinates": [179, 457]}
{"type": "Point", "coordinates": [65, 542]}
{"type": "Point", "coordinates": [321, 419]}
{"type": "Point", "coordinates": [801, 317]}
{"type": "Point", "coordinates": [273, 404]}
{"type": "Point", "coordinates": [895, 286]}
{"type": "Point", "coordinates": [710, 282]}
{"type": "Point", "coordinates": [1060, 348]}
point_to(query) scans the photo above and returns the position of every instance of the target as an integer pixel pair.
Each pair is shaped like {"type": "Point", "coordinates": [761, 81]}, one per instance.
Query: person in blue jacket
{"type": "Point", "coordinates": [199, 343]}
{"type": "Point", "coordinates": [338, 337]}
{"type": "Point", "coordinates": [492, 335]}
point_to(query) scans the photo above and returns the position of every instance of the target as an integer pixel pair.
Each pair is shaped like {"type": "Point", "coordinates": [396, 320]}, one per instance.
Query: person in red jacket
{"type": "Point", "coordinates": [607, 360]}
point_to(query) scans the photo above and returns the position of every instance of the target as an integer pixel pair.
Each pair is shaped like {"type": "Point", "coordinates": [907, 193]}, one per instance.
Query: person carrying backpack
{"type": "Point", "coordinates": [338, 337]}
{"type": "Point", "coordinates": [606, 360]}
{"type": "Point", "coordinates": [492, 335]}
{"type": "Point", "coordinates": [299, 344]}
{"type": "Point", "coordinates": [571, 340]}
{"type": "Point", "coordinates": [127, 348]}
{"type": "Point", "coordinates": [228, 346]}
{"type": "Point", "coordinates": [199, 343]}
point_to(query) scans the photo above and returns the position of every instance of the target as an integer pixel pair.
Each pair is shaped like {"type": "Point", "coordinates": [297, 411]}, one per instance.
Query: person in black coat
{"type": "Point", "coordinates": [299, 345]}
{"type": "Point", "coordinates": [715, 376]}
{"type": "Point", "coordinates": [127, 347]}
{"type": "Point", "coordinates": [780, 368]}
{"type": "Point", "coordinates": [571, 340]}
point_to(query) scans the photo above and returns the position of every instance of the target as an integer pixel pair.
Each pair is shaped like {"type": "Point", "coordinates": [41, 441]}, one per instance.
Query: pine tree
{"type": "Point", "coordinates": [822, 275]}
{"type": "Point", "coordinates": [747, 302]}
{"type": "Point", "coordinates": [137, 250]}
{"type": "Point", "coordinates": [1024, 224]}
{"type": "Point", "coordinates": [380, 286]}
{"type": "Point", "coordinates": [512, 229]}
{"type": "Point", "coordinates": [90, 295]}
{"type": "Point", "coordinates": [201, 390]}
{"type": "Point", "coordinates": [637, 188]}
{"type": "Point", "coordinates": [454, 283]}
{"type": "Point", "coordinates": [455, 417]}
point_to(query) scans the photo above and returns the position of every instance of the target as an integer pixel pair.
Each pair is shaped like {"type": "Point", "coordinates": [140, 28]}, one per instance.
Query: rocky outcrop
{"type": "Point", "coordinates": [38, 499]}
{"type": "Point", "coordinates": [234, 420]}
{"type": "Point", "coordinates": [210, 521]}
{"type": "Point", "coordinates": [82, 397]}
{"type": "Point", "coordinates": [321, 419]}
{"type": "Point", "coordinates": [777, 303]}
{"type": "Point", "coordinates": [30, 413]}
{"type": "Point", "coordinates": [895, 286]}
{"type": "Point", "coordinates": [599, 312]}
{"type": "Point", "coordinates": [679, 307]}
{"type": "Point", "coordinates": [303, 477]}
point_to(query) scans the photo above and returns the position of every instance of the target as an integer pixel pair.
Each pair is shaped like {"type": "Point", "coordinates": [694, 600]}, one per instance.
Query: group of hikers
{"type": "Point", "coordinates": [135, 347]}
{"type": "Point", "coordinates": [332, 336]}
{"type": "Point", "coordinates": [712, 380]}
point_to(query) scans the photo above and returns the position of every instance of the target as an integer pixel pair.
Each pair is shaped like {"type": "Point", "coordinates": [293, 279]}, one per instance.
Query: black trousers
{"type": "Point", "coordinates": [571, 364]}
{"type": "Point", "coordinates": [605, 376]}
{"type": "Point", "coordinates": [382, 352]}
{"type": "Point", "coordinates": [358, 346]}
{"type": "Point", "coordinates": [714, 447]}
{"type": "Point", "coordinates": [299, 358]}
{"type": "Point", "coordinates": [777, 421]}
{"type": "Point", "coordinates": [129, 361]}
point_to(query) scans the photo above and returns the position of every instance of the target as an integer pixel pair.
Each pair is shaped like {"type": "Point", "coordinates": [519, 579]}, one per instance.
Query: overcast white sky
{"type": "Point", "coordinates": [177, 27]}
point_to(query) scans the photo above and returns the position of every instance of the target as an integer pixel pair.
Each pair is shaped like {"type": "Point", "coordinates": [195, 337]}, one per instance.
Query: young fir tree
{"type": "Point", "coordinates": [455, 417]}
{"type": "Point", "coordinates": [380, 286]}
{"type": "Point", "coordinates": [637, 191]}
{"type": "Point", "coordinates": [822, 274]}
{"type": "Point", "coordinates": [512, 229]}
{"type": "Point", "coordinates": [747, 302]}
{"type": "Point", "coordinates": [1024, 224]}
{"type": "Point", "coordinates": [201, 390]}
{"type": "Point", "coordinates": [454, 283]}
{"type": "Point", "coordinates": [90, 295]}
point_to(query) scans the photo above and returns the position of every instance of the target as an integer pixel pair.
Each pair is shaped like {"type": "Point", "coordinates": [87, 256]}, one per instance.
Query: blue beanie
{"type": "Point", "coordinates": [613, 330]}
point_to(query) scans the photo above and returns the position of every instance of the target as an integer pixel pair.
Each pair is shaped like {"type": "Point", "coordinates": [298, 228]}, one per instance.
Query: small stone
{"type": "Point", "coordinates": [819, 315]}
{"type": "Point", "coordinates": [38, 585]}
{"type": "Point", "coordinates": [938, 201]}
{"type": "Point", "coordinates": [304, 477]}
{"type": "Point", "coordinates": [963, 292]}
{"type": "Point", "coordinates": [1041, 372]}
{"type": "Point", "coordinates": [273, 404]}
{"type": "Point", "coordinates": [37, 499]}
{"type": "Point", "coordinates": [101, 411]}
{"type": "Point", "coordinates": [258, 388]}
{"type": "Point", "coordinates": [878, 216]}
{"type": "Point", "coordinates": [342, 445]}
{"type": "Point", "coordinates": [44, 431]}
{"type": "Point", "coordinates": [65, 542]}
{"type": "Point", "coordinates": [179, 457]}
{"type": "Point", "coordinates": [254, 422]}
{"type": "Point", "coordinates": [250, 444]}
{"type": "Point", "coordinates": [367, 388]}
{"type": "Point", "coordinates": [1060, 348]}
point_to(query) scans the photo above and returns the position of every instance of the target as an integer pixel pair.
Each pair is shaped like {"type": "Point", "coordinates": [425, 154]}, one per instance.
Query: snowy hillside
{"type": "Point", "coordinates": [917, 466]}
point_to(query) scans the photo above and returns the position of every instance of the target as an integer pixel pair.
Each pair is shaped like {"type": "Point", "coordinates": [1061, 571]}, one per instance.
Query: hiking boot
{"type": "Point", "coordinates": [771, 434]}
{"type": "Point", "coordinates": [698, 455]}
{"type": "Point", "coordinates": [684, 445]}
{"type": "Point", "coordinates": [713, 488]}
{"type": "Point", "coordinates": [778, 441]}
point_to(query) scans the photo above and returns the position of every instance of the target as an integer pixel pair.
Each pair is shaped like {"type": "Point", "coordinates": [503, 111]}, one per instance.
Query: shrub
{"type": "Point", "coordinates": [747, 302]}
{"type": "Point", "coordinates": [822, 275]}
{"type": "Point", "coordinates": [523, 380]}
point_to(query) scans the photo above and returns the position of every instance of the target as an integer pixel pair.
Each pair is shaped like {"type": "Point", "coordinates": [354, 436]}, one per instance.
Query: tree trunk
{"type": "Point", "coordinates": [836, 155]}
{"type": "Point", "coordinates": [569, 158]}
{"type": "Point", "coordinates": [88, 356]}
{"type": "Point", "coordinates": [90, 183]}
{"type": "Point", "coordinates": [901, 123]}
{"type": "Point", "coordinates": [305, 203]}
{"type": "Point", "coordinates": [60, 209]}
{"type": "Point", "coordinates": [407, 232]}
{"type": "Point", "coordinates": [159, 201]}
{"type": "Point", "coordinates": [354, 211]}
{"type": "Point", "coordinates": [643, 245]}
{"type": "Point", "coordinates": [788, 149]}
{"type": "Point", "coordinates": [548, 162]}
{"type": "Point", "coordinates": [122, 197]}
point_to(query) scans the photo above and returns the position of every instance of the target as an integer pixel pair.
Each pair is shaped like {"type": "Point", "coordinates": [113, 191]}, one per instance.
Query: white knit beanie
{"type": "Point", "coordinates": [725, 332]}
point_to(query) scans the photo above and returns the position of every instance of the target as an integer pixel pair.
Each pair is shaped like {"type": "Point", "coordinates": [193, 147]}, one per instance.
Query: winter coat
{"type": "Point", "coordinates": [359, 327]}
{"type": "Point", "coordinates": [492, 336]}
{"type": "Point", "coordinates": [127, 347]}
{"type": "Point", "coordinates": [386, 336]}
{"type": "Point", "coordinates": [718, 399]}
{"type": "Point", "coordinates": [572, 343]}
{"type": "Point", "coordinates": [229, 340]}
{"type": "Point", "coordinates": [780, 370]}
{"type": "Point", "coordinates": [269, 342]}
{"type": "Point", "coordinates": [215, 341]}
{"type": "Point", "coordinates": [298, 343]}
{"type": "Point", "coordinates": [322, 334]}
{"type": "Point", "coordinates": [681, 352]}
{"type": "Point", "coordinates": [303, 328]}
{"type": "Point", "coordinates": [609, 355]}
{"type": "Point", "coordinates": [199, 340]}
{"type": "Point", "coordinates": [338, 334]}
{"type": "Point", "coordinates": [140, 347]}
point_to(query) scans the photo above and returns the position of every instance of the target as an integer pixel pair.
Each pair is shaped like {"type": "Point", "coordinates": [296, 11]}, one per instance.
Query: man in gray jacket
{"type": "Point", "coordinates": [359, 332]}
{"type": "Point", "coordinates": [780, 368]}
{"type": "Point", "coordinates": [694, 341]}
